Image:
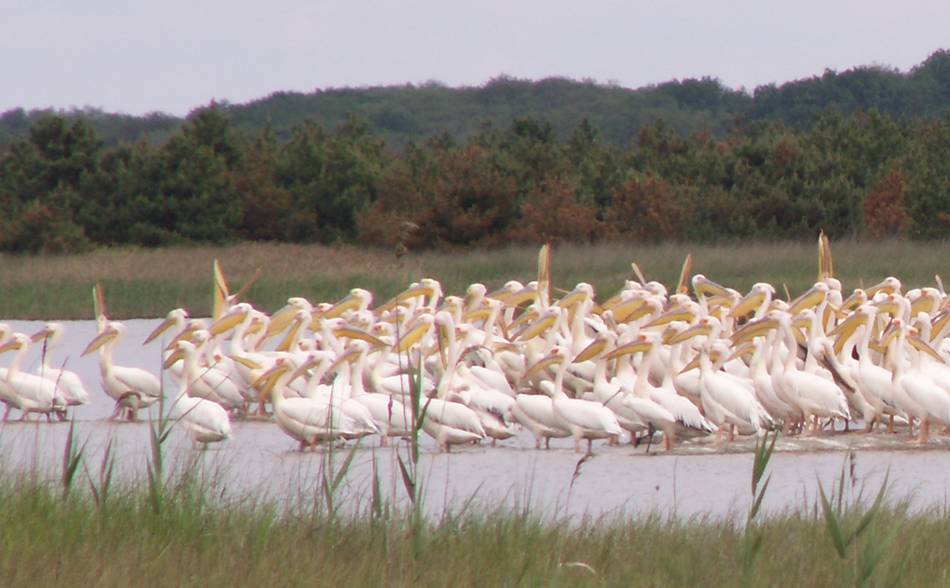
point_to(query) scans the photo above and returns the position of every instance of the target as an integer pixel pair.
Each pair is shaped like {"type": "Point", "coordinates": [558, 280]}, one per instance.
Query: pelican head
{"type": "Point", "coordinates": [110, 333]}
{"type": "Point", "coordinates": [175, 318]}
{"type": "Point", "coordinates": [16, 342]}
{"type": "Point", "coordinates": [52, 332]}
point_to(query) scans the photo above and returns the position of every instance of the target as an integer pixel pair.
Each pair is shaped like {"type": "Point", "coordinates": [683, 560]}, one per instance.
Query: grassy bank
{"type": "Point", "coordinates": [48, 540]}
{"type": "Point", "coordinates": [147, 283]}
{"type": "Point", "coordinates": [176, 526]}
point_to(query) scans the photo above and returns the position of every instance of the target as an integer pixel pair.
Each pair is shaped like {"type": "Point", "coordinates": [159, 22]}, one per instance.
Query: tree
{"type": "Point", "coordinates": [884, 211]}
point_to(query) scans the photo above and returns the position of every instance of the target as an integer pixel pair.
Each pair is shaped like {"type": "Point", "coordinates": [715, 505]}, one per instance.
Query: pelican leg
{"type": "Point", "coordinates": [924, 431]}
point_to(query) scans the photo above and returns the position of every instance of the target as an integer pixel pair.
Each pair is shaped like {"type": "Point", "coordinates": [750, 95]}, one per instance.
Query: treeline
{"type": "Point", "coordinates": [866, 174]}
{"type": "Point", "coordinates": [401, 115]}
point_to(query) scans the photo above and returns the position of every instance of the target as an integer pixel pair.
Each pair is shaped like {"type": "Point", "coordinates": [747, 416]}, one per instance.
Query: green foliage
{"type": "Point", "coordinates": [845, 524]}
{"type": "Point", "coordinates": [511, 161]}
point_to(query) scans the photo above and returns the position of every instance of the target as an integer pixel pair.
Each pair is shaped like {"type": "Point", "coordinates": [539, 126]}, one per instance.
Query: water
{"type": "Point", "coordinates": [698, 478]}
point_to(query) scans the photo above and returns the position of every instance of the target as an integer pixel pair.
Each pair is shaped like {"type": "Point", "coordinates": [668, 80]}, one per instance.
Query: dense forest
{"type": "Point", "coordinates": [860, 153]}
{"type": "Point", "coordinates": [413, 113]}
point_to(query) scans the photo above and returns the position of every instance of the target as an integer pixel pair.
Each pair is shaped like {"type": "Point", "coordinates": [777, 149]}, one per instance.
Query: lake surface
{"type": "Point", "coordinates": [699, 477]}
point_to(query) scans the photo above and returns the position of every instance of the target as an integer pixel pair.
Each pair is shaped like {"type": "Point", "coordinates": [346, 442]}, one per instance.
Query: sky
{"type": "Point", "coordinates": [175, 55]}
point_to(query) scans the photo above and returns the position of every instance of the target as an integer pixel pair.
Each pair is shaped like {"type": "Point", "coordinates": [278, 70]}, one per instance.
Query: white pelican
{"type": "Point", "coordinates": [204, 420]}
{"type": "Point", "coordinates": [392, 417]}
{"type": "Point", "coordinates": [492, 407]}
{"type": "Point", "coordinates": [28, 392]}
{"type": "Point", "coordinates": [914, 381]}
{"type": "Point", "coordinates": [610, 393]}
{"type": "Point", "coordinates": [306, 420]}
{"type": "Point", "coordinates": [726, 399]}
{"type": "Point", "coordinates": [68, 382]}
{"type": "Point", "coordinates": [585, 419]}
{"type": "Point", "coordinates": [536, 413]}
{"type": "Point", "coordinates": [661, 406]}
{"type": "Point", "coordinates": [131, 388]}
{"type": "Point", "coordinates": [450, 423]}
{"type": "Point", "coordinates": [814, 395]}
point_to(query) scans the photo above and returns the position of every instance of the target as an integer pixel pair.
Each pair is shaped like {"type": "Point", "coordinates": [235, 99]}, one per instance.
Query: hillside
{"type": "Point", "coordinates": [411, 113]}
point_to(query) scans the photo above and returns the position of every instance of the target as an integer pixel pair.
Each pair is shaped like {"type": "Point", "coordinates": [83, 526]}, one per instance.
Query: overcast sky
{"type": "Point", "coordinates": [174, 55]}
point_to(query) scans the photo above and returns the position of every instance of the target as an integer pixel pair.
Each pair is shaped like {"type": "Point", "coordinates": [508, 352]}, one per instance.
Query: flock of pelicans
{"type": "Point", "coordinates": [486, 365]}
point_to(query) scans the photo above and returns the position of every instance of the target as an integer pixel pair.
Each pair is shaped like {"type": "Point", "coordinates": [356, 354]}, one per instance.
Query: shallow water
{"type": "Point", "coordinates": [699, 477]}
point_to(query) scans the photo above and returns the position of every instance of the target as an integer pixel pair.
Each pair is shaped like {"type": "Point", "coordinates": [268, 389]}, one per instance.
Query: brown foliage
{"type": "Point", "coordinates": [884, 211]}
{"type": "Point", "coordinates": [647, 209]}
{"type": "Point", "coordinates": [44, 229]}
{"type": "Point", "coordinates": [467, 202]}
{"type": "Point", "coordinates": [785, 153]}
{"type": "Point", "coordinates": [401, 198]}
{"type": "Point", "coordinates": [551, 214]}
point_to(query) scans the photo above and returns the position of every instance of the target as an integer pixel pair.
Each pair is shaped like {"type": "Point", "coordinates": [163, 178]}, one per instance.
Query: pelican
{"type": "Point", "coordinates": [205, 421]}
{"type": "Point", "coordinates": [934, 402]}
{"type": "Point", "coordinates": [131, 388]}
{"type": "Point", "coordinates": [68, 382]}
{"type": "Point", "coordinates": [585, 419]}
{"type": "Point", "coordinates": [28, 392]}
{"type": "Point", "coordinates": [536, 413]}
{"type": "Point", "coordinates": [661, 406]}
{"type": "Point", "coordinates": [814, 395]}
{"type": "Point", "coordinates": [307, 420]}
{"type": "Point", "coordinates": [726, 399]}
{"type": "Point", "coordinates": [611, 393]}
{"type": "Point", "coordinates": [392, 417]}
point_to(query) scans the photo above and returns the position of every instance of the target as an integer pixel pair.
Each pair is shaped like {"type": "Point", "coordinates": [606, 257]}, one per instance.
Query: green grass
{"type": "Point", "coordinates": [79, 530]}
{"type": "Point", "coordinates": [46, 540]}
{"type": "Point", "coordinates": [148, 283]}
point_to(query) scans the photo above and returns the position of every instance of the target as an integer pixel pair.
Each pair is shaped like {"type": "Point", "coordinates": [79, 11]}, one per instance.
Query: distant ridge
{"type": "Point", "coordinates": [412, 113]}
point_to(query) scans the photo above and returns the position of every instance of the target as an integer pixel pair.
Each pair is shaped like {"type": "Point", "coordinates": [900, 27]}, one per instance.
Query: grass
{"type": "Point", "coordinates": [149, 282]}
{"type": "Point", "coordinates": [47, 540]}
{"type": "Point", "coordinates": [59, 529]}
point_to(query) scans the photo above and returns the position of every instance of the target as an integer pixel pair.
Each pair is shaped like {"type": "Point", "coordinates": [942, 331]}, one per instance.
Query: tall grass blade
{"type": "Point", "coordinates": [763, 454]}
{"type": "Point", "coordinates": [407, 479]}
{"type": "Point", "coordinates": [831, 523]}
{"type": "Point", "coordinates": [344, 468]}
{"type": "Point", "coordinates": [100, 493]}
{"type": "Point", "coordinates": [376, 503]}
{"type": "Point", "coordinates": [72, 457]}
{"type": "Point", "coordinates": [872, 512]}
{"type": "Point", "coordinates": [757, 503]}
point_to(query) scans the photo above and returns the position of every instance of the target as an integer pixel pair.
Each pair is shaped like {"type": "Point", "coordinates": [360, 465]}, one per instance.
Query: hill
{"type": "Point", "coordinates": [412, 113]}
